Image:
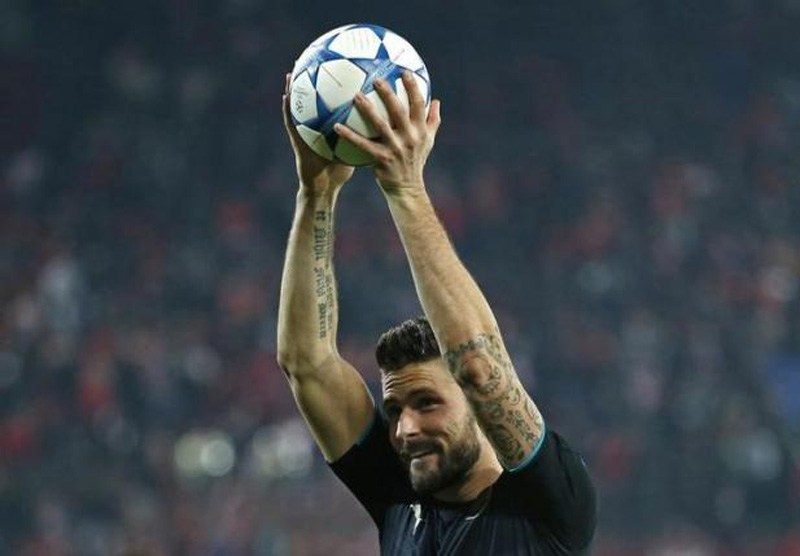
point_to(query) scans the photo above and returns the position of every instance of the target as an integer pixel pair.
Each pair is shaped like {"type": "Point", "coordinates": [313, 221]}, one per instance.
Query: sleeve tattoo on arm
{"type": "Point", "coordinates": [503, 408]}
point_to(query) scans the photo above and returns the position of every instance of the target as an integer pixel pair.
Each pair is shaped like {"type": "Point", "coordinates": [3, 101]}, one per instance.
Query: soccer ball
{"type": "Point", "coordinates": [329, 73]}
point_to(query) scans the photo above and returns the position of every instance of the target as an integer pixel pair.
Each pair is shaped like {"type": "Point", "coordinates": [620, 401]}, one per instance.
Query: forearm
{"type": "Point", "coordinates": [329, 392]}
{"type": "Point", "coordinates": [466, 331]}
{"type": "Point", "coordinates": [308, 312]}
{"type": "Point", "coordinates": [452, 301]}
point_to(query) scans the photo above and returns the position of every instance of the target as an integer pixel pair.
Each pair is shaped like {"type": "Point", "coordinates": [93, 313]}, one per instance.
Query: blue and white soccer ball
{"type": "Point", "coordinates": [329, 73]}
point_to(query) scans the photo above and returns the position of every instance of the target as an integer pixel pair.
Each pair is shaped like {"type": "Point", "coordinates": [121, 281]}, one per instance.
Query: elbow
{"type": "Point", "coordinates": [289, 354]}
{"type": "Point", "coordinates": [297, 364]}
{"type": "Point", "coordinates": [477, 374]}
{"type": "Point", "coordinates": [291, 361]}
{"type": "Point", "coordinates": [285, 361]}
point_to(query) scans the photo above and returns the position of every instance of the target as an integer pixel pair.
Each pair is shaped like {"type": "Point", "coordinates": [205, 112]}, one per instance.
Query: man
{"type": "Point", "coordinates": [460, 460]}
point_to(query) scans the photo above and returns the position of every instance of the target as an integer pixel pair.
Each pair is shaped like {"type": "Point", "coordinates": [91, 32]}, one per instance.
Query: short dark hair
{"type": "Point", "coordinates": [412, 341]}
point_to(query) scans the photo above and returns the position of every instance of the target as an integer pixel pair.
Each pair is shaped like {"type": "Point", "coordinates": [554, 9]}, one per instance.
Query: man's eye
{"type": "Point", "coordinates": [426, 402]}
{"type": "Point", "coordinates": [392, 412]}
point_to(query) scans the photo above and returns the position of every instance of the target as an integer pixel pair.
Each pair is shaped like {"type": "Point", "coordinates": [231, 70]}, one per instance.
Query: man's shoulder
{"type": "Point", "coordinates": [554, 491]}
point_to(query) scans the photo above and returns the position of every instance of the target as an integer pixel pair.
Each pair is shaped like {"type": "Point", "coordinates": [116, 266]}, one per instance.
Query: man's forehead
{"type": "Point", "coordinates": [430, 375]}
{"type": "Point", "coordinates": [401, 383]}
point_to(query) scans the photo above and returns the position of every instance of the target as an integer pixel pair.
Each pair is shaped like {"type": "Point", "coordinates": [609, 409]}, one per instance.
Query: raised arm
{"type": "Point", "coordinates": [329, 392]}
{"type": "Point", "coordinates": [459, 314]}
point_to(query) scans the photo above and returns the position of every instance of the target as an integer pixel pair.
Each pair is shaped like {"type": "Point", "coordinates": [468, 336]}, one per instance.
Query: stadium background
{"type": "Point", "coordinates": [622, 177]}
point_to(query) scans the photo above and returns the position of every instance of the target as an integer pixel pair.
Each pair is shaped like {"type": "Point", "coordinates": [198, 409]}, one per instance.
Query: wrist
{"type": "Point", "coordinates": [315, 173]}
{"type": "Point", "coordinates": [410, 189]}
{"type": "Point", "coordinates": [316, 188]}
{"type": "Point", "coordinates": [317, 181]}
{"type": "Point", "coordinates": [317, 191]}
{"type": "Point", "coordinates": [406, 195]}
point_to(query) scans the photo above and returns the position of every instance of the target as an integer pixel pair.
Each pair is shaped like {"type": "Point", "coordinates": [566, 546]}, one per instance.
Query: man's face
{"type": "Point", "coordinates": [431, 426]}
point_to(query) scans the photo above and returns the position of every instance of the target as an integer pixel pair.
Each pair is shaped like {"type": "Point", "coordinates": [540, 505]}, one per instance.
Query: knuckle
{"type": "Point", "coordinates": [384, 126]}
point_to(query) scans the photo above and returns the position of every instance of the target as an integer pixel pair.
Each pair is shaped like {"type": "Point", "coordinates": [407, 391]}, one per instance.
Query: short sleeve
{"type": "Point", "coordinates": [371, 470]}
{"type": "Point", "coordinates": [556, 489]}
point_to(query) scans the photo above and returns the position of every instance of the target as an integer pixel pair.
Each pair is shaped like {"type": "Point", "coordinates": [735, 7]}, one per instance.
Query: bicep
{"type": "Point", "coordinates": [336, 404]}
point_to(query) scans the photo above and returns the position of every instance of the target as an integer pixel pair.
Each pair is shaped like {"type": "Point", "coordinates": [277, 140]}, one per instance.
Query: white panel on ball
{"type": "Point", "coordinates": [401, 52]}
{"type": "Point", "coordinates": [316, 141]}
{"type": "Point", "coordinates": [357, 122]}
{"type": "Point", "coordinates": [303, 60]}
{"type": "Point", "coordinates": [358, 42]}
{"type": "Point", "coordinates": [303, 99]}
{"type": "Point", "coordinates": [338, 81]}
{"type": "Point", "coordinates": [352, 155]}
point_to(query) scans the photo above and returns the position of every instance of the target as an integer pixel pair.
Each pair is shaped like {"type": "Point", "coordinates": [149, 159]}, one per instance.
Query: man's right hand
{"type": "Point", "coordinates": [314, 172]}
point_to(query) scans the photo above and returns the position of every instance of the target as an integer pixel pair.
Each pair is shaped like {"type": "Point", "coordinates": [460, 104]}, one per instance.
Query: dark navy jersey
{"type": "Point", "coordinates": [545, 508]}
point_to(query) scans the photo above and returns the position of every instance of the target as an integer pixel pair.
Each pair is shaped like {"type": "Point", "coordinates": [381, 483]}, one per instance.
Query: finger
{"type": "Point", "coordinates": [398, 116]}
{"type": "Point", "coordinates": [287, 118]}
{"type": "Point", "coordinates": [285, 105]}
{"type": "Point", "coordinates": [416, 104]}
{"type": "Point", "coordinates": [369, 146]}
{"type": "Point", "coordinates": [434, 115]}
{"type": "Point", "coordinates": [370, 113]}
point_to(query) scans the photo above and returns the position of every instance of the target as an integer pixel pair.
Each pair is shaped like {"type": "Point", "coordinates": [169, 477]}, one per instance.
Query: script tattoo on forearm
{"type": "Point", "coordinates": [503, 408]}
{"type": "Point", "coordinates": [323, 272]}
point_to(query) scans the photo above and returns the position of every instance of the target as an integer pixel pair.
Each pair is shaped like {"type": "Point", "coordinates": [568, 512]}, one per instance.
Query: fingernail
{"type": "Point", "coordinates": [378, 82]}
{"type": "Point", "coordinates": [359, 96]}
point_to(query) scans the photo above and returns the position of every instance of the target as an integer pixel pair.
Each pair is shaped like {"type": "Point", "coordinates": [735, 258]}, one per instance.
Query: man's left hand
{"type": "Point", "coordinates": [404, 141]}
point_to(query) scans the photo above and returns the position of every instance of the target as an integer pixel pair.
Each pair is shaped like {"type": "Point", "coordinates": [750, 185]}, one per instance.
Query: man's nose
{"type": "Point", "coordinates": [407, 425]}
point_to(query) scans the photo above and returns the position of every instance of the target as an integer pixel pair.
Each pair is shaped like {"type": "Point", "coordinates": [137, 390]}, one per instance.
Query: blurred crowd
{"type": "Point", "coordinates": [621, 177]}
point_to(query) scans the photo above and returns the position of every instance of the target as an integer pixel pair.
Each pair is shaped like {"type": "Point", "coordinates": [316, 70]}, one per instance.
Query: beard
{"type": "Point", "coordinates": [445, 468]}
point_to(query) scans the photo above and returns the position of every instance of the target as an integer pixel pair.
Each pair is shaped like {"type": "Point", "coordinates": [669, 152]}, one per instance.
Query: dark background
{"type": "Point", "coordinates": [622, 177]}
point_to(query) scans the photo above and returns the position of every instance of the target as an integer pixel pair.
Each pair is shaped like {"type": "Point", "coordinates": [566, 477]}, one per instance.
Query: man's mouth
{"type": "Point", "coordinates": [421, 458]}
{"type": "Point", "coordinates": [418, 453]}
